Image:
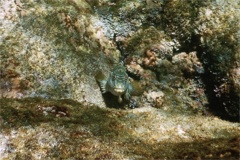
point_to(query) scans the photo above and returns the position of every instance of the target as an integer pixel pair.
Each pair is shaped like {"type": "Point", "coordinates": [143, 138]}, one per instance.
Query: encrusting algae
{"type": "Point", "coordinates": [51, 106]}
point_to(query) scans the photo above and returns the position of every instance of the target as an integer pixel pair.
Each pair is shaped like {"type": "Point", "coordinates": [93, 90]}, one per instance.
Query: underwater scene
{"type": "Point", "coordinates": [119, 79]}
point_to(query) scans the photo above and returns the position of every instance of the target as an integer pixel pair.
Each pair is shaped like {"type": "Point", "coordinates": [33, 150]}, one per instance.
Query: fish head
{"type": "Point", "coordinates": [118, 81]}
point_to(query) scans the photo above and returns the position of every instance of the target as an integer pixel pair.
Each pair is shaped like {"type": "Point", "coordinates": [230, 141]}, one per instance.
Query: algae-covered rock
{"type": "Point", "coordinates": [182, 59]}
{"type": "Point", "coordinates": [48, 49]}
{"type": "Point", "coordinates": [176, 76]}
{"type": "Point", "coordinates": [51, 50]}
{"type": "Point", "coordinates": [218, 30]}
{"type": "Point", "coordinates": [211, 28]}
{"type": "Point", "coordinates": [61, 129]}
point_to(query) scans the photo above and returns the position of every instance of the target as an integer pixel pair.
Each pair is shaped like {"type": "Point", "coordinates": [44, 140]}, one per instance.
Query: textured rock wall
{"type": "Point", "coordinates": [181, 56]}
{"type": "Point", "coordinates": [51, 50]}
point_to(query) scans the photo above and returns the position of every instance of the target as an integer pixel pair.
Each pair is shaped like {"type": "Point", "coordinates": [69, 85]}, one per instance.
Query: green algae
{"type": "Point", "coordinates": [144, 39]}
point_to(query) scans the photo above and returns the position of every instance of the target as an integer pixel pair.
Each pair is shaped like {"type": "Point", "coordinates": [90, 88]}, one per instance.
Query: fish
{"type": "Point", "coordinates": [117, 82]}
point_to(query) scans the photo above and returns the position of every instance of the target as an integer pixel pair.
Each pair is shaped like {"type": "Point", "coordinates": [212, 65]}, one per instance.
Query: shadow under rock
{"type": "Point", "coordinates": [111, 101]}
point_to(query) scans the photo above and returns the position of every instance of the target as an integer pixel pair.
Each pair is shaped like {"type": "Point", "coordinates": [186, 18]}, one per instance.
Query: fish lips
{"type": "Point", "coordinates": [119, 90]}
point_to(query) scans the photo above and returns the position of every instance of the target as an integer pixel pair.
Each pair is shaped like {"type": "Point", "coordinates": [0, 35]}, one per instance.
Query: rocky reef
{"type": "Point", "coordinates": [182, 58]}
{"type": "Point", "coordinates": [35, 128]}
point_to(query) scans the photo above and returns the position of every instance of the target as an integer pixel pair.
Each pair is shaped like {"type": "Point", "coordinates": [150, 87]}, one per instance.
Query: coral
{"type": "Point", "coordinates": [188, 63]}
{"type": "Point", "coordinates": [149, 59]}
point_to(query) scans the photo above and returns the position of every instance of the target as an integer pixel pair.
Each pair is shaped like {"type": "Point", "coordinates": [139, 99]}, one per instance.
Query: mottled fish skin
{"type": "Point", "coordinates": [117, 83]}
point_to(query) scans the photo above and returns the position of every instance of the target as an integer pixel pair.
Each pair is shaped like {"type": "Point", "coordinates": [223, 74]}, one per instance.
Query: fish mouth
{"type": "Point", "coordinates": [119, 90]}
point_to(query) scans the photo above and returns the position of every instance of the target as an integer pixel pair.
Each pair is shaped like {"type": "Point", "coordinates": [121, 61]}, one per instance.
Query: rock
{"type": "Point", "coordinates": [218, 30]}
{"type": "Point", "coordinates": [152, 61]}
{"type": "Point", "coordinates": [51, 51]}
{"type": "Point", "coordinates": [188, 63]}
{"type": "Point", "coordinates": [212, 29]}
{"type": "Point", "coordinates": [156, 98]}
{"type": "Point", "coordinates": [40, 129]}
{"type": "Point", "coordinates": [182, 56]}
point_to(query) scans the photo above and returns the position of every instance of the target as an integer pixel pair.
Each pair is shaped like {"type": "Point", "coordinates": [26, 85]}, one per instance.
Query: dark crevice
{"type": "Point", "coordinates": [219, 89]}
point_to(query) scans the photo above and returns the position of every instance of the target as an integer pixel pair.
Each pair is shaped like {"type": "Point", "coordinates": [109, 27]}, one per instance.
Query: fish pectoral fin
{"type": "Point", "coordinates": [119, 99]}
{"type": "Point", "coordinates": [127, 95]}
{"type": "Point", "coordinates": [103, 86]}
{"type": "Point", "coordinates": [102, 80]}
{"type": "Point", "coordinates": [137, 88]}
